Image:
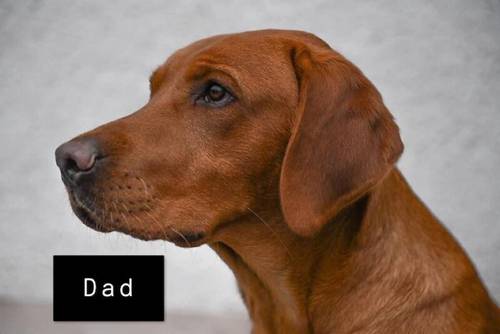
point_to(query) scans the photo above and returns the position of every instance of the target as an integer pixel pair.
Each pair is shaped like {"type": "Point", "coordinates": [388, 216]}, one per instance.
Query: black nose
{"type": "Point", "coordinates": [76, 157]}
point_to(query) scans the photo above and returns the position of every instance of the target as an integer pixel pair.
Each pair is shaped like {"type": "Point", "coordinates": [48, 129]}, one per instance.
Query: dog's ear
{"type": "Point", "coordinates": [343, 140]}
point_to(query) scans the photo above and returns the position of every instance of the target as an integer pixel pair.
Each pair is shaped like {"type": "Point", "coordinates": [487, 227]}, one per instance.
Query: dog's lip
{"type": "Point", "coordinates": [185, 239]}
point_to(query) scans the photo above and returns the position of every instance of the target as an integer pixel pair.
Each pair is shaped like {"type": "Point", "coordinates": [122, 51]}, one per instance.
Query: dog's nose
{"type": "Point", "coordinates": [76, 157]}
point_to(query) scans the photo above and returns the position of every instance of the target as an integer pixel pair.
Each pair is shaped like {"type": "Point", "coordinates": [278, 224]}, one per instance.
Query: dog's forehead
{"type": "Point", "coordinates": [261, 58]}
{"type": "Point", "coordinates": [251, 55]}
{"type": "Point", "coordinates": [234, 49]}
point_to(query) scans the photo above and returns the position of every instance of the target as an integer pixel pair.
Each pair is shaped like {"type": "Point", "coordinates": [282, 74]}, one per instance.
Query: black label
{"type": "Point", "coordinates": [109, 288]}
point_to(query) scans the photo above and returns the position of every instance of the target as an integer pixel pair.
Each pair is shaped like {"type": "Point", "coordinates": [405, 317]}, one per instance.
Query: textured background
{"type": "Point", "coordinates": [68, 66]}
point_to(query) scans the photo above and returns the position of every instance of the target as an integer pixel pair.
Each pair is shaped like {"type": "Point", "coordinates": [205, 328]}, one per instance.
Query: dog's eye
{"type": "Point", "coordinates": [216, 95]}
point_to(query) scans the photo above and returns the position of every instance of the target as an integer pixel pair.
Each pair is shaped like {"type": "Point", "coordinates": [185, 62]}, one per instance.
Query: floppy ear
{"type": "Point", "coordinates": [343, 141]}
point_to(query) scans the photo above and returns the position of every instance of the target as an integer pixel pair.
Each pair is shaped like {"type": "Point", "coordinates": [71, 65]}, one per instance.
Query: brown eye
{"type": "Point", "coordinates": [215, 93]}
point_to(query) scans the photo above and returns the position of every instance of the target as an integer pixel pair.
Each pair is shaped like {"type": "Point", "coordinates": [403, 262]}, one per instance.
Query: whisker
{"type": "Point", "coordinates": [141, 223]}
{"type": "Point", "coordinates": [96, 212]}
{"type": "Point", "coordinates": [123, 216]}
{"type": "Point", "coordinates": [181, 235]}
{"type": "Point", "coordinates": [144, 185]}
{"type": "Point", "coordinates": [111, 216]}
{"type": "Point", "coordinates": [162, 228]}
{"type": "Point", "coordinates": [127, 209]}
{"type": "Point", "coordinates": [276, 235]}
{"type": "Point", "coordinates": [106, 211]}
{"type": "Point", "coordinates": [126, 220]}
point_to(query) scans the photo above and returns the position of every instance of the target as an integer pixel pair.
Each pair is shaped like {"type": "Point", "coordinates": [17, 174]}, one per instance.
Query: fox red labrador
{"type": "Point", "coordinates": [280, 154]}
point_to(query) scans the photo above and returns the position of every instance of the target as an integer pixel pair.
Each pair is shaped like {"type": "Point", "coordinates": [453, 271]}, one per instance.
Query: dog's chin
{"type": "Point", "coordinates": [86, 215]}
{"type": "Point", "coordinates": [189, 239]}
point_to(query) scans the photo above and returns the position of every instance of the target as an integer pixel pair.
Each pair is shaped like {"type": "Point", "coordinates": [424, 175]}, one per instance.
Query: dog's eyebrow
{"type": "Point", "coordinates": [204, 68]}
{"type": "Point", "coordinates": [153, 75]}
{"type": "Point", "coordinates": [156, 78]}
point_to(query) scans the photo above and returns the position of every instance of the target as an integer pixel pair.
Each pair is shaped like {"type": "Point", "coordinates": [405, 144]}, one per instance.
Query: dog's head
{"type": "Point", "coordinates": [234, 121]}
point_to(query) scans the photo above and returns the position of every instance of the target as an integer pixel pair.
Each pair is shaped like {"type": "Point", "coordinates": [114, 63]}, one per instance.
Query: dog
{"type": "Point", "coordinates": [277, 152]}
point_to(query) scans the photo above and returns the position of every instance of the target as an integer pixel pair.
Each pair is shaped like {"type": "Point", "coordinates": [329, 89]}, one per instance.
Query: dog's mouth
{"type": "Point", "coordinates": [86, 213]}
{"type": "Point", "coordinates": [89, 215]}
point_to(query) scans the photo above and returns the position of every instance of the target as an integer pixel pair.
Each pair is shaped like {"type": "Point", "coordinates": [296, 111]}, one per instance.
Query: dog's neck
{"type": "Point", "coordinates": [287, 282]}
